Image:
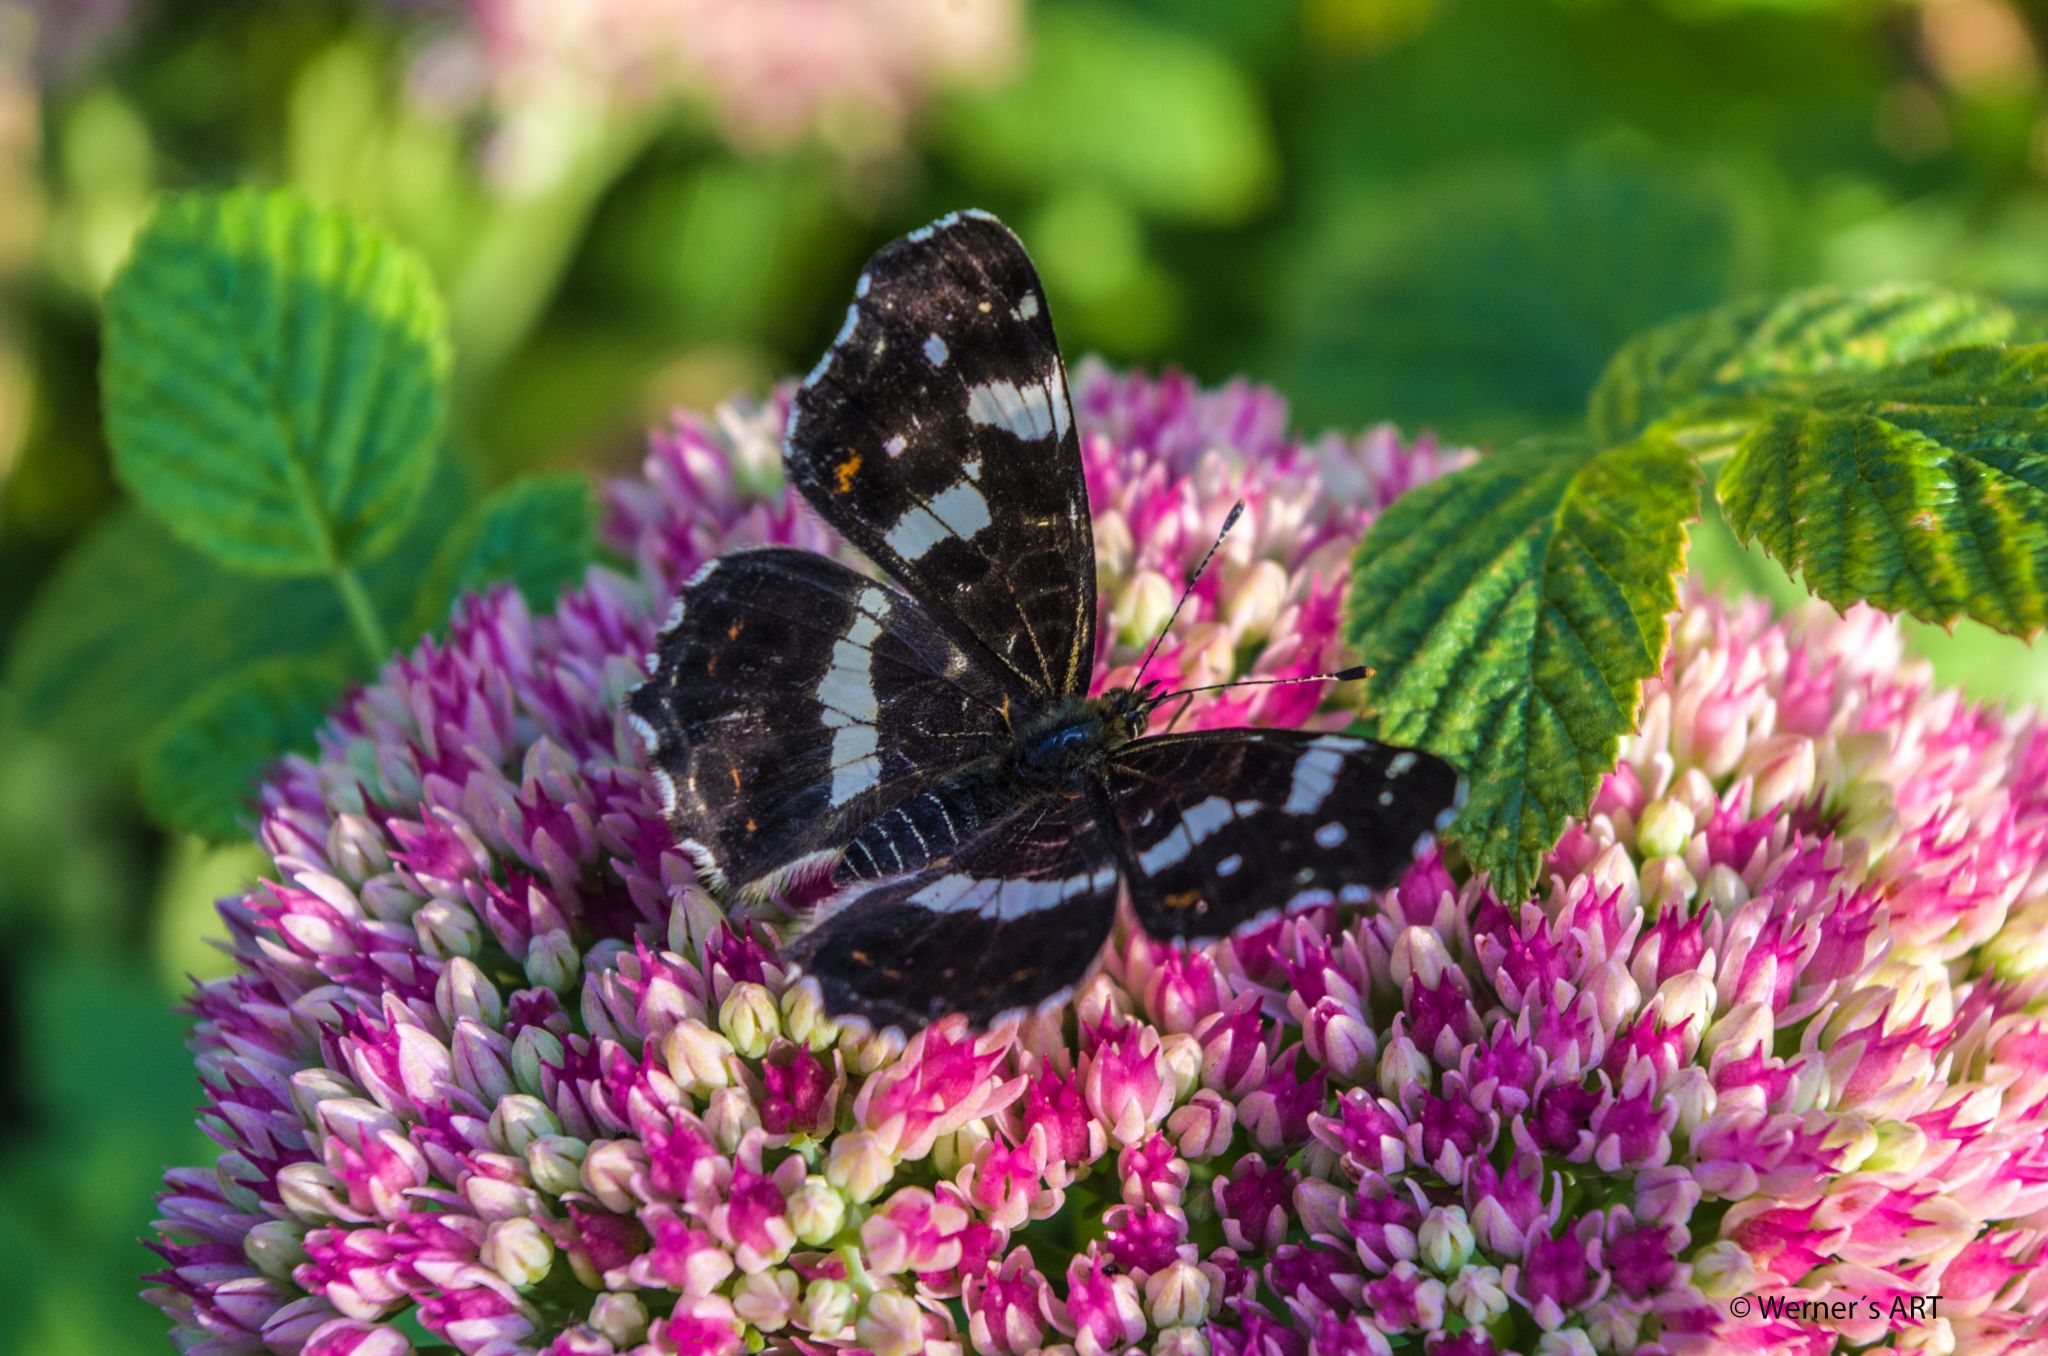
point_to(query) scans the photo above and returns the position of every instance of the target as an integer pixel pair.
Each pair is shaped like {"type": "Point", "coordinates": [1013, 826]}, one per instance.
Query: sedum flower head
{"type": "Point", "coordinates": [495, 1068]}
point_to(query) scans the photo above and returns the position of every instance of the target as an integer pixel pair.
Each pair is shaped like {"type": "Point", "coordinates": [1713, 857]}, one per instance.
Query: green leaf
{"type": "Point", "coordinates": [199, 772]}
{"type": "Point", "coordinates": [133, 623]}
{"type": "Point", "coordinates": [1485, 302]}
{"type": "Point", "coordinates": [1922, 488]}
{"type": "Point", "coordinates": [1711, 376]}
{"type": "Point", "coordinates": [1513, 611]}
{"type": "Point", "coordinates": [273, 377]}
{"type": "Point", "coordinates": [1122, 105]}
{"type": "Point", "coordinates": [538, 534]}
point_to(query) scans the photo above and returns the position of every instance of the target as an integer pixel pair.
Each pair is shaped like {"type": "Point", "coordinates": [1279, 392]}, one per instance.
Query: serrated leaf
{"type": "Point", "coordinates": [274, 379]}
{"type": "Point", "coordinates": [133, 623]}
{"type": "Point", "coordinates": [538, 534]}
{"type": "Point", "coordinates": [1512, 612]}
{"type": "Point", "coordinates": [1709, 377]}
{"type": "Point", "coordinates": [200, 770]}
{"type": "Point", "coordinates": [1922, 489]}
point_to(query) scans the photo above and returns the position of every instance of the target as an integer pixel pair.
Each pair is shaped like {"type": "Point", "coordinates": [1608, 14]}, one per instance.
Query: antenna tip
{"type": "Point", "coordinates": [1352, 674]}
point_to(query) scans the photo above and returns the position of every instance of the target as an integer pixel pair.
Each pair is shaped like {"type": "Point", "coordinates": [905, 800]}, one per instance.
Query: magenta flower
{"type": "Point", "coordinates": [494, 1067]}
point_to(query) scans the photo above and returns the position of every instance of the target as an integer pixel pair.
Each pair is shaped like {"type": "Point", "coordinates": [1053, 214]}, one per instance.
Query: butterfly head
{"type": "Point", "coordinates": [1130, 708]}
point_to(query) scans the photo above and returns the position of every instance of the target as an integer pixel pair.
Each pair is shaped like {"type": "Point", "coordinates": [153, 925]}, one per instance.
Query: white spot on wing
{"type": "Point", "coordinates": [1332, 834]}
{"type": "Point", "coordinates": [850, 705]}
{"type": "Point", "coordinates": [1206, 817]}
{"type": "Point", "coordinates": [957, 511]}
{"type": "Point", "coordinates": [962, 509]}
{"type": "Point", "coordinates": [1168, 850]}
{"type": "Point", "coordinates": [1315, 773]}
{"type": "Point", "coordinates": [1400, 763]}
{"type": "Point", "coordinates": [935, 351]}
{"type": "Point", "coordinates": [894, 447]}
{"type": "Point", "coordinates": [1027, 413]}
{"type": "Point", "coordinates": [1229, 865]}
{"type": "Point", "coordinates": [1028, 307]}
{"type": "Point", "coordinates": [649, 740]}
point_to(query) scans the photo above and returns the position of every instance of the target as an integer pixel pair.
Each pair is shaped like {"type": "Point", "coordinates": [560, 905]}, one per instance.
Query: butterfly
{"type": "Point", "coordinates": [929, 737]}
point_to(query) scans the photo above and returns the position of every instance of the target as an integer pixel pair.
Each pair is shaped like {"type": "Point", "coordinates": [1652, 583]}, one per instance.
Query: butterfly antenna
{"type": "Point", "coordinates": [1350, 675]}
{"type": "Point", "coordinates": [1229, 521]}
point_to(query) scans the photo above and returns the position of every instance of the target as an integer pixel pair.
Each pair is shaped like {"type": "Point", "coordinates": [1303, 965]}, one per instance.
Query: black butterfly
{"type": "Point", "coordinates": [932, 739]}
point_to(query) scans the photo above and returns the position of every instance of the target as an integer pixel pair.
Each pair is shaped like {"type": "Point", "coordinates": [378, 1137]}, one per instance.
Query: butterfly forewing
{"type": "Point", "coordinates": [1011, 922]}
{"type": "Point", "coordinates": [794, 701]}
{"type": "Point", "coordinates": [1221, 828]}
{"type": "Point", "coordinates": [936, 435]}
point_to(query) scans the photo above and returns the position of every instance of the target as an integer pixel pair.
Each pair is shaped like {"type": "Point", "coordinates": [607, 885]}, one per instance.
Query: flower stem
{"type": "Point", "coordinates": [362, 615]}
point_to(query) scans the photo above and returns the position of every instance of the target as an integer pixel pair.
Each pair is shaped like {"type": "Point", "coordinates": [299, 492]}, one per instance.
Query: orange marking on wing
{"type": "Point", "coordinates": [735, 777]}
{"type": "Point", "coordinates": [847, 470]}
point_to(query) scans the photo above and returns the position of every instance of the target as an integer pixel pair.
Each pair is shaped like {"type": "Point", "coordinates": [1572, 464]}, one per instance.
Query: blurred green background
{"type": "Point", "coordinates": [1441, 212]}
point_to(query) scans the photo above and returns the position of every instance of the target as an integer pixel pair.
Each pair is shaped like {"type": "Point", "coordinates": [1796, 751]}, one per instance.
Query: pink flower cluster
{"type": "Point", "coordinates": [496, 1069]}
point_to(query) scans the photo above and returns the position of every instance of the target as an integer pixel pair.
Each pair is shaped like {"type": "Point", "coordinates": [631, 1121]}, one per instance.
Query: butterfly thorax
{"type": "Point", "coordinates": [1077, 735]}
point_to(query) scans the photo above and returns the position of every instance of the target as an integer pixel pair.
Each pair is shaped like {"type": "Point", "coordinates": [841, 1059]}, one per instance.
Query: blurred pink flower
{"type": "Point", "coordinates": [848, 73]}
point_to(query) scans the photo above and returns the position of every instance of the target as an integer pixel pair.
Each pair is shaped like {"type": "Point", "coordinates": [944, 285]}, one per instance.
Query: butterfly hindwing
{"type": "Point", "coordinates": [793, 701]}
{"type": "Point", "coordinates": [1011, 922]}
{"type": "Point", "coordinates": [936, 435]}
{"type": "Point", "coordinates": [1220, 828]}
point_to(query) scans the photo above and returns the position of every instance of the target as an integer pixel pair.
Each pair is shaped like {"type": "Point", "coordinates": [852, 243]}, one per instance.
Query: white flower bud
{"type": "Point", "coordinates": [517, 1121]}
{"type": "Point", "coordinates": [1722, 1270]}
{"type": "Point", "coordinates": [446, 928]}
{"type": "Point", "coordinates": [309, 1191]}
{"type": "Point", "coordinates": [534, 1050]}
{"type": "Point", "coordinates": [1182, 1341]}
{"type": "Point", "coordinates": [620, 1319]}
{"type": "Point", "coordinates": [275, 1246]}
{"type": "Point", "coordinates": [1615, 995]}
{"type": "Point", "coordinates": [1419, 955]}
{"type": "Point", "coordinates": [1724, 889]}
{"type": "Point", "coordinates": [1748, 1028]}
{"type": "Point", "coordinates": [859, 1166]}
{"type": "Point", "coordinates": [1687, 999]}
{"type": "Point", "coordinates": [1176, 1295]}
{"type": "Point", "coordinates": [1142, 608]}
{"type": "Point", "coordinates": [1445, 1240]}
{"type": "Point", "coordinates": [804, 1018]}
{"type": "Point", "coordinates": [749, 1019]}
{"type": "Point", "coordinates": [730, 1116]}
{"type": "Point", "coordinates": [1664, 829]}
{"type": "Point", "coordinates": [519, 1250]}
{"type": "Point", "coordinates": [1253, 601]}
{"type": "Point", "coordinates": [1565, 1342]}
{"type": "Point", "coordinates": [464, 990]}
{"type": "Point", "coordinates": [827, 1306]}
{"type": "Point", "coordinates": [699, 1059]}
{"type": "Point", "coordinates": [767, 1298]}
{"type": "Point", "coordinates": [1402, 1066]}
{"type": "Point", "coordinates": [1477, 1295]}
{"type": "Point", "coordinates": [555, 1163]}
{"type": "Point", "coordinates": [817, 1212]}
{"type": "Point", "coordinates": [1900, 1147]}
{"type": "Point", "coordinates": [1183, 1056]}
{"type": "Point", "coordinates": [552, 961]}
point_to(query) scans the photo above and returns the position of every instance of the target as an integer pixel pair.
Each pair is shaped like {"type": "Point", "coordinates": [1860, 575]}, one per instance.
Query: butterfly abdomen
{"type": "Point", "coordinates": [929, 825]}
